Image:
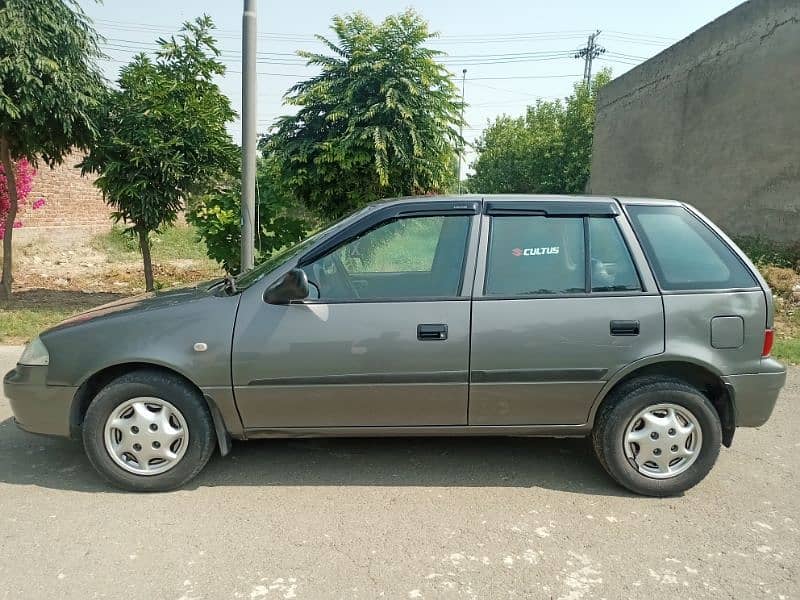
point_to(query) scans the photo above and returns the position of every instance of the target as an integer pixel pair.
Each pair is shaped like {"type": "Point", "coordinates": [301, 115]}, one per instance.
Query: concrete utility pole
{"type": "Point", "coordinates": [248, 133]}
{"type": "Point", "coordinates": [461, 128]}
{"type": "Point", "coordinates": [588, 54]}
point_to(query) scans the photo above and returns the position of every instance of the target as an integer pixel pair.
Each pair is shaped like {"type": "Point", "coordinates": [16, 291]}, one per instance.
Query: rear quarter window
{"type": "Point", "coordinates": [684, 253]}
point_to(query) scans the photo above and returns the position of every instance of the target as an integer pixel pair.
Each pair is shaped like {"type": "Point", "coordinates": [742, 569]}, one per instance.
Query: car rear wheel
{"type": "Point", "coordinates": [657, 436]}
{"type": "Point", "coordinates": [148, 431]}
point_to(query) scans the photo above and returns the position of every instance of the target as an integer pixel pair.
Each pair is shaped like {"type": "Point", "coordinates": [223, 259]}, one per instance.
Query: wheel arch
{"type": "Point", "coordinates": [92, 385]}
{"type": "Point", "coordinates": [695, 373]}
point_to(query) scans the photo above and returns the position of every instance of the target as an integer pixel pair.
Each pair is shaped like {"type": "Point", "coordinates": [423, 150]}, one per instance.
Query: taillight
{"type": "Point", "coordinates": [769, 339]}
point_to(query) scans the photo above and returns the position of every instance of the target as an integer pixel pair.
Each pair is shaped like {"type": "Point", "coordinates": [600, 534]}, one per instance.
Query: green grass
{"type": "Point", "coordinates": [32, 311]}
{"type": "Point", "coordinates": [173, 243]}
{"type": "Point", "coordinates": [787, 350]}
{"type": "Point", "coordinates": [18, 325]}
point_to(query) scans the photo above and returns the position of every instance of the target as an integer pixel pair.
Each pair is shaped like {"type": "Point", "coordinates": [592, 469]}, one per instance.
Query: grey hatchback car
{"type": "Point", "coordinates": [636, 322]}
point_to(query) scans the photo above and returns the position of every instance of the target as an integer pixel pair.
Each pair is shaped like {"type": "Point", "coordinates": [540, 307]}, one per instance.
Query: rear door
{"type": "Point", "coordinates": [561, 302]}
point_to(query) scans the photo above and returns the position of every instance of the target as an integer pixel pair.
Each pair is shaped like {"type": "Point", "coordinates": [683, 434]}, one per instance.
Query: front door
{"type": "Point", "coordinates": [383, 341]}
{"type": "Point", "coordinates": [559, 309]}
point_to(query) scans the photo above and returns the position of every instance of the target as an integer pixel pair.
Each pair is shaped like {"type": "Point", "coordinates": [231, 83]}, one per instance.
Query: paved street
{"type": "Point", "coordinates": [395, 518]}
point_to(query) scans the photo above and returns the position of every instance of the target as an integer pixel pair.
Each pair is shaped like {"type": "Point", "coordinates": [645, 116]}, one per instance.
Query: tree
{"type": "Point", "coordinates": [49, 87]}
{"type": "Point", "coordinates": [548, 151]}
{"type": "Point", "coordinates": [379, 120]}
{"type": "Point", "coordinates": [164, 137]}
{"type": "Point", "coordinates": [217, 217]}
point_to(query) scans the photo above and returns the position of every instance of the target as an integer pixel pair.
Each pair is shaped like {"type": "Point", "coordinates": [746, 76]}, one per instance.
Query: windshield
{"type": "Point", "coordinates": [255, 274]}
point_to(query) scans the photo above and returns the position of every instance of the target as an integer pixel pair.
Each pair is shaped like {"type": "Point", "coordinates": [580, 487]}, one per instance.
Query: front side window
{"type": "Point", "coordinates": [415, 257]}
{"type": "Point", "coordinates": [249, 278]}
{"type": "Point", "coordinates": [685, 254]}
{"type": "Point", "coordinates": [535, 255]}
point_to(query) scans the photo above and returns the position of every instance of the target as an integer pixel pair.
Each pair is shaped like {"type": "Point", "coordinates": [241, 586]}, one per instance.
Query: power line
{"type": "Point", "coordinates": [130, 25]}
{"type": "Point", "coordinates": [620, 62]}
{"type": "Point", "coordinates": [509, 77]}
{"type": "Point", "coordinates": [642, 35]}
{"type": "Point", "coordinates": [287, 58]}
{"type": "Point", "coordinates": [628, 56]}
{"type": "Point", "coordinates": [277, 58]}
{"type": "Point", "coordinates": [452, 38]}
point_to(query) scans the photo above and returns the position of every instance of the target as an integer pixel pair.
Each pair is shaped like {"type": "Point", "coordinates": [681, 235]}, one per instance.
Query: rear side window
{"type": "Point", "coordinates": [534, 255]}
{"type": "Point", "coordinates": [685, 254]}
{"type": "Point", "coordinates": [612, 266]}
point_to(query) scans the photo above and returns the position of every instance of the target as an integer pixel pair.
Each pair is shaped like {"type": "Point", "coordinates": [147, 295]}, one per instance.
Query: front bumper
{"type": "Point", "coordinates": [38, 407]}
{"type": "Point", "coordinates": [754, 395]}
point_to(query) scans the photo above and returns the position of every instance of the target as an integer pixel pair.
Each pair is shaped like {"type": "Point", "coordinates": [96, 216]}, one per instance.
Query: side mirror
{"type": "Point", "coordinates": [292, 286]}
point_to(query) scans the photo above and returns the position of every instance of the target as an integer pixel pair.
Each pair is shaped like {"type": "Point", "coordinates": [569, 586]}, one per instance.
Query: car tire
{"type": "Point", "coordinates": [126, 415]}
{"type": "Point", "coordinates": [657, 436]}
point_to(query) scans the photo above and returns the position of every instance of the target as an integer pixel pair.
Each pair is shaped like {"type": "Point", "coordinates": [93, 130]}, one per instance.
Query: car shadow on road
{"type": "Point", "coordinates": [557, 464]}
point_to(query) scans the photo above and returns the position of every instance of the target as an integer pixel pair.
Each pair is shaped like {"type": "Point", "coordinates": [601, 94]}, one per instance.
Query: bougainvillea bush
{"type": "Point", "coordinates": [24, 172]}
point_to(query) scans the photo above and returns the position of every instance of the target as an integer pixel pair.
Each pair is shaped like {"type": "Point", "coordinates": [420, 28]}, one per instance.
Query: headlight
{"type": "Point", "coordinates": [35, 354]}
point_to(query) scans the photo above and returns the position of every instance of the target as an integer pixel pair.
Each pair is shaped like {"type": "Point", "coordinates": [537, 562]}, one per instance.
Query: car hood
{"type": "Point", "coordinates": [140, 303]}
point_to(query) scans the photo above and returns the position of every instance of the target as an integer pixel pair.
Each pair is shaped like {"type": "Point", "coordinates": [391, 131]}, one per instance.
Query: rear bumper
{"type": "Point", "coordinates": [754, 395]}
{"type": "Point", "coordinates": [38, 407]}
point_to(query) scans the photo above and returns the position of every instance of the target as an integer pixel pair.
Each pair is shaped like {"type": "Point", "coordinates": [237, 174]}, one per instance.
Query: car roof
{"type": "Point", "coordinates": [522, 198]}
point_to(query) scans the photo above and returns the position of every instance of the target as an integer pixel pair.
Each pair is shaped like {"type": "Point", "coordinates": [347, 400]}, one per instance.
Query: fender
{"type": "Point", "coordinates": [646, 362]}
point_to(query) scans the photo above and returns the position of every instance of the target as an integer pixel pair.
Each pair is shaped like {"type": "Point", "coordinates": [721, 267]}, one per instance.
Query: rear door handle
{"type": "Point", "coordinates": [624, 327]}
{"type": "Point", "coordinates": [427, 332]}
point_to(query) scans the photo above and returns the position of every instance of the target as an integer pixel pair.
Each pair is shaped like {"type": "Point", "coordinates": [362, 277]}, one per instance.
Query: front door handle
{"type": "Point", "coordinates": [624, 327]}
{"type": "Point", "coordinates": [427, 332]}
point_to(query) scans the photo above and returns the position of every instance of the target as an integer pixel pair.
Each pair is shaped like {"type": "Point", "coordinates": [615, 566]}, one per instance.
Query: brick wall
{"type": "Point", "coordinates": [71, 200]}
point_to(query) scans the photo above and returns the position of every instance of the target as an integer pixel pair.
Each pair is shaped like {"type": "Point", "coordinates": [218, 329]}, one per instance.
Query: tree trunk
{"type": "Point", "coordinates": [144, 246]}
{"type": "Point", "coordinates": [11, 182]}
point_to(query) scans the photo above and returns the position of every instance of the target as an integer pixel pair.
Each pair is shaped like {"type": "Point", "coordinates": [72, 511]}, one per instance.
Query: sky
{"type": "Point", "coordinates": [515, 51]}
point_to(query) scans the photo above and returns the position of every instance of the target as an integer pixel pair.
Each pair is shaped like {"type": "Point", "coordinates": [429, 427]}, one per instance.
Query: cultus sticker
{"type": "Point", "coordinates": [536, 251]}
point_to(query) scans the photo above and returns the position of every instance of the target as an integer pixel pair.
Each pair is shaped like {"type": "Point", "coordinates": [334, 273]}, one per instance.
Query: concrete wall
{"type": "Point", "coordinates": [714, 121]}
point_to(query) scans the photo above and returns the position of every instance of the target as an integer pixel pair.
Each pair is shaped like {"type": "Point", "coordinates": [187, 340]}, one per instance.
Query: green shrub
{"type": "Point", "coordinates": [281, 222]}
{"type": "Point", "coordinates": [763, 251]}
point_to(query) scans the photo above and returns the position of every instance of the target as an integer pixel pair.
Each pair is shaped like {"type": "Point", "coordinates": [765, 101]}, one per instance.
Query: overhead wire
{"type": "Point", "coordinates": [120, 44]}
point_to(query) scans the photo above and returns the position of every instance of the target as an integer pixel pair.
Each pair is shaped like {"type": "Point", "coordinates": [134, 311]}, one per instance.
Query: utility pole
{"type": "Point", "coordinates": [461, 128]}
{"type": "Point", "coordinates": [248, 133]}
{"type": "Point", "coordinates": [588, 54]}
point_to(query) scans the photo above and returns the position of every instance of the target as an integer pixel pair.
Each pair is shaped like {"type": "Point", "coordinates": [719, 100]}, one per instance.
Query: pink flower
{"type": "Point", "coordinates": [38, 204]}
{"type": "Point", "coordinates": [24, 174]}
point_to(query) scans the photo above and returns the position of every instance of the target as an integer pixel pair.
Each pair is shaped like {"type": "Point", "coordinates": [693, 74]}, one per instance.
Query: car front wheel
{"type": "Point", "coordinates": [657, 436]}
{"type": "Point", "coordinates": [148, 431]}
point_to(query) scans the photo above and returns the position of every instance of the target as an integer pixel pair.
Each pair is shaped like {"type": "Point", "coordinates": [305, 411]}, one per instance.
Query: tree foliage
{"type": "Point", "coordinates": [164, 136]}
{"type": "Point", "coordinates": [379, 120]}
{"type": "Point", "coordinates": [217, 217]}
{"type": "Point", "coordinates": [547, 151]}
{"type": "Point", "coordinates": [49, 88]}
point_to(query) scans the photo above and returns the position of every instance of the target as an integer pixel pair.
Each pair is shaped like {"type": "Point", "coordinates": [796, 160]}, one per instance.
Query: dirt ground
{"type": "Point", "coordinates": [77, 264]}
{"type": "Point", "coordinates": [56, 275]}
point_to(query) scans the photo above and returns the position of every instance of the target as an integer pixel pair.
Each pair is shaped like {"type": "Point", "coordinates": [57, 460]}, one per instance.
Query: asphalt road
{"type": "Point", "coordinates": [402, 518]}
